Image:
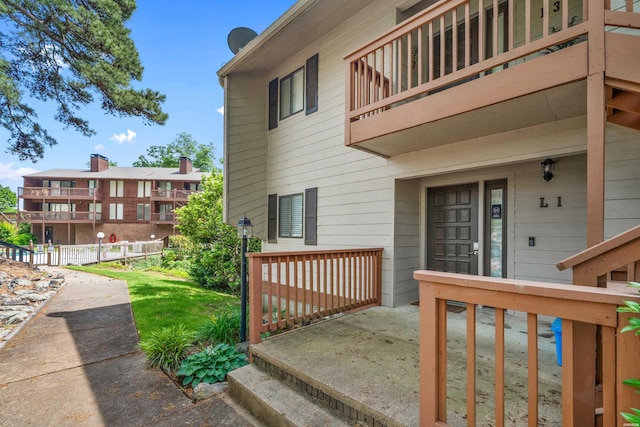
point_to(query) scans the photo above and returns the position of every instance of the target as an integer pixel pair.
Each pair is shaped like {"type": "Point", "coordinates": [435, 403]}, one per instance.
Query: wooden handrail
{"type": "Point", "coordinates": [594, 265]}
{"type": "Point", "coordinates": [293, 288]}
{"type": "Point", "coordinates": [574, 304]}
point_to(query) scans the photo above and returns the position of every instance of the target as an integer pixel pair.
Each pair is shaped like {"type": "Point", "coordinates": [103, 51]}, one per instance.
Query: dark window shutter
{"type": "Point", "coordinates": [312, 85]}
{"type": "Point", "coordinates": [311, 216]}
{"type": "Point", "coordinates": [272, 226]}
{"type": "Point", "coordinates": [273, 104]}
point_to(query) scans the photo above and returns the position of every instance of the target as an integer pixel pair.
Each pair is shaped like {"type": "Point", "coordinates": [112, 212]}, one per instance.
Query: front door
{"type": "Point", "coordinates": [452, 229]}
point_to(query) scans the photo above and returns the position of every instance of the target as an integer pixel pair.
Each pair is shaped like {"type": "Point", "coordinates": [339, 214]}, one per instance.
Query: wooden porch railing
{"type": "Point", "coordinates": [288, 289]}
{"type": "Point", "coordinates": [65, 217]}
{"type": "Point", "coordinates": [574, 304]}
{"type": "Point", "coordinates": [453, 42]}
{"type": "Point", "coordinates": [52, 192]}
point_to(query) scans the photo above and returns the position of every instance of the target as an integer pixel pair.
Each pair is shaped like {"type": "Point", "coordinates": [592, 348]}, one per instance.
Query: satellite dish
{"type": "Point", "coordinates": [239, 37]}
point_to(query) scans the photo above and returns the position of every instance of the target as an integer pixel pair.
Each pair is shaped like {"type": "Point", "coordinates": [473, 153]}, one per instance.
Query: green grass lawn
{"type": "Point", "coordinates": [160, 301]}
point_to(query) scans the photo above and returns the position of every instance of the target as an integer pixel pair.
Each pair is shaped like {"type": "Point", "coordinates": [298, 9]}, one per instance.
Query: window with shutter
{"type": "Point", "coordinates": [290, 216]}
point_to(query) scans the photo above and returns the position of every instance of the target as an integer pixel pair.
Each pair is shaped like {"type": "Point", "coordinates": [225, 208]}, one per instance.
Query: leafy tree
{"type": "Point", "coordinates": [217, 264]}
{"type": "Point", "coordinates": [8, 200]}
{"type": "Point", "coordinates": [68, 51]}
{"type": "Point", "coordinates": [168, 156]}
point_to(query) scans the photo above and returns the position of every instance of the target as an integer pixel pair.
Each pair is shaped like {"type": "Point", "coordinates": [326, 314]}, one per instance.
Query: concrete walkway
{"type": "Point", "coordinates": [76, 363]}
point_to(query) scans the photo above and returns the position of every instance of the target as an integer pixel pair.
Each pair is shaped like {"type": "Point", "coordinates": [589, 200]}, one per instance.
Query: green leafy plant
{"type": "Point", "coordinates": [223, 327]}
{"type": "Point", "coordinates": [634, 325]}
{"type": "Point", "coordinates": [166, 348]}
{"type": "Point", "coordinates": [211, 365]}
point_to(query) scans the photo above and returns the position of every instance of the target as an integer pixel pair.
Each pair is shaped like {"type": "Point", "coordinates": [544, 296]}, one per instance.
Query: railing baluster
{"type": "Point", "coordinates": [545, 18]}
{"type": "Point", "coordinates": [443, 47]}
{"type": "Point", "coordinates": [567, 372]}
{"type": "Point", "coordinates": [499, 315]}
{"type": "Point", "coordinates": [527, 21]}
{"type": "Point", "coordinates": [419, 79]}
{"type": "Point", "coordinates": [431, 52]}
{"type": "Point", "coordinates": [409, 60]}
{"type": "Point", "coordinates": [442, 359]}
{"type": "Point", "coordinates": [532, 350]}
{"type": "Point", "coordinates": [471, 364]}
{"type": "Point", "coordinates": [454, 40]}
{"type": "Point", "coordinates": [609, 376]}
{"type": "Point", "coordinates": [481, 31]}
{"type": "Point", "coordinates": [494, 28]}
{"type": "Point", "coordinates": [467, 35]}
{"type": "Point", "coordinates": [511, 25]}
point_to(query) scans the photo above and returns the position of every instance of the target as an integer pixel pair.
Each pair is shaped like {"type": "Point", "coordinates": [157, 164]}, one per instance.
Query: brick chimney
{"type": "Point", "coordinates": [99, 163]}
{"type": "Point", "coordinates": [185, 165]}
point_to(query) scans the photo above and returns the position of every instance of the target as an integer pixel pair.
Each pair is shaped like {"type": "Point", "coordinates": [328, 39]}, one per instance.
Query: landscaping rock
{"type": "Point", "coordinates": [204, 391]}
{"type": "Point", "coordinates": [22, 290]}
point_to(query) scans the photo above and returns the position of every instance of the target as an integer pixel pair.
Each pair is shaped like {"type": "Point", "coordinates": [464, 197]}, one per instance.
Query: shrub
{"type": "Point", "coordinates": [221, 328]}
{"type": "Point", "coordinates": [217, 268]}
{"type": "Point", "coordinates": [167, 347]}
{"type": "Point", "coordinates": [211, 365]}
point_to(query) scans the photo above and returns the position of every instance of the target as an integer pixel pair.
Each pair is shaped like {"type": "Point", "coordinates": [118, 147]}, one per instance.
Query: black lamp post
{"type": "Point", "coordinates": [100, 236]}
{"type": "Point", "coordinates": [245, 230]}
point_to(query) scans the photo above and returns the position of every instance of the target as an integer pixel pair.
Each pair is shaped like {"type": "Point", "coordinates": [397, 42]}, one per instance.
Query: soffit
{"type": "Point", "coordinates": [304, 23]}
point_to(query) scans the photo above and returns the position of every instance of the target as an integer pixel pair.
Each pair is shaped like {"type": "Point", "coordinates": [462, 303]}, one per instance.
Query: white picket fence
{"type": "Point", "coordinates": [88, 254]}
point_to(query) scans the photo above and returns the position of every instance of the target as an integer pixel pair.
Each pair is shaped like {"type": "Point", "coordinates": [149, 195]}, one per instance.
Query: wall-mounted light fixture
{"type": "Point", "coordinates": [547, 168]}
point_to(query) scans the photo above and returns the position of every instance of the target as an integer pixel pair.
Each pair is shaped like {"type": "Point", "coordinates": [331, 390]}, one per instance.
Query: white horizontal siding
{"type": "Point", "coordinates": [362, 203]}
{"type": "Point", "coordinates": [622, 181]}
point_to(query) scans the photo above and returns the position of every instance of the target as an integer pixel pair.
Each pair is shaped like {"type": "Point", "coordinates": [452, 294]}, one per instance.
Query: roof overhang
{"type": "Point", "coordinates": [304, 22]}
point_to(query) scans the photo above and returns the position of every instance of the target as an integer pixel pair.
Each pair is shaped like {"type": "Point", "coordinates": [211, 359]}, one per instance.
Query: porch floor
{"type": "Point", "coordinates": [369, 361]}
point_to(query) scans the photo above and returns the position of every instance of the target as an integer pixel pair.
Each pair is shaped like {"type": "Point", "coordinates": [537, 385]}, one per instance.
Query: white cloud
{"type": "Point", "coordinates": [98, 147]}
{"type": "Point", "coordinates": [122, 137]}
{"type": "Point", "coordinates": [220, 110]}
{"type": "Point", "coordinates": [7, 172]}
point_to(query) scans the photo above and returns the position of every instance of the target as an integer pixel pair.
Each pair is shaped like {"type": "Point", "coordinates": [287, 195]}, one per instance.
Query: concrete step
{"type": "Point", "coordinates": [276, 403]}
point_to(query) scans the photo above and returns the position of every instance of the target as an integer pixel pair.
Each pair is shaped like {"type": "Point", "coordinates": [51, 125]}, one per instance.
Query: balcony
{"type": "Point", "coordinates": [49, 193]}
{"type": "Point", "coordinates": [171, 195]}
{"type": "Point", "coordinates": [164, 218]}
{"type": "Point", "coordinates": [35, 217]}
{"type": "Point", "coordinates": [445, 74]}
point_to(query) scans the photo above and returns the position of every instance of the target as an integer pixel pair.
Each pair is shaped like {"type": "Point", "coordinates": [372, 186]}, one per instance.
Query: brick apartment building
{"type": "Point", "coordinates": [69, 206]}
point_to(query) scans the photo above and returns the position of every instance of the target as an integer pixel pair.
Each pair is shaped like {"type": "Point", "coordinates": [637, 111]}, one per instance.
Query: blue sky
{"type": "Point", "coordinates": [181, 45]}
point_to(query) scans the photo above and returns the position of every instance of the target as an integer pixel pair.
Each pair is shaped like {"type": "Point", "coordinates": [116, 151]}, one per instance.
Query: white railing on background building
{"type": "Point", "coordinates": [89, 254]}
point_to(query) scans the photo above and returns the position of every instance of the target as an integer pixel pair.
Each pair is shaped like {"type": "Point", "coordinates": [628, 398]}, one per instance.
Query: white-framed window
{"type": "Point", "coordinates": [144, 188]}
{"type": "Point", "coordinates": [290, 211]}
{"type": "Point", "coordinates": [97, 209]}
{"type": "Point", "coordinates": [144, 211]}
{"type": "Point", "coordinates": [116, 188]}
{"type": "Point", "coordinates": [92, 183]}
{"type": "Point", "coordinates": [292, 93]}
{"type": "Point", "coordinates": [116, 211]}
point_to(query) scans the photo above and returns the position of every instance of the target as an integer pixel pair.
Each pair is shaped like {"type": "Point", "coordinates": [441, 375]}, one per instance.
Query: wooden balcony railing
{"type": "Point", "coordinates": [180, 195]}
{"type": "Point", "coordinates": [164, 218]}
{"type": "Point", "coordinates": [452, 42]}
{"type": "Point", "coordinates": [288, 289]}
{"type": "Point", "coordinates": [50, 192]}
{"type": "Point", "coordinates": [574, 304]}
{"type": "Point", "coordinates": [35, 217]}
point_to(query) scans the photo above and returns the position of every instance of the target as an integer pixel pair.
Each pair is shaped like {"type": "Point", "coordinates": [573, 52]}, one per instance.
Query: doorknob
{"type": "Point", "coordinates": [476, 248]}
